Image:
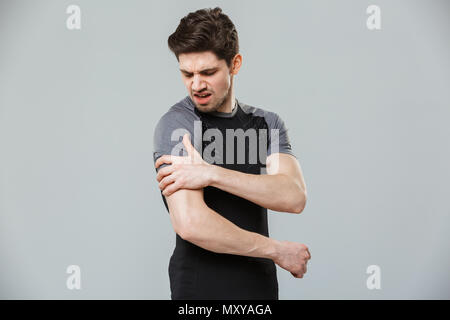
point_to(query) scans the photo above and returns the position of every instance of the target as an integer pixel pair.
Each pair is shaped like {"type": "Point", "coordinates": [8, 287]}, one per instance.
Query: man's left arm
{"type": "Point", "coordinates": [281, 189]}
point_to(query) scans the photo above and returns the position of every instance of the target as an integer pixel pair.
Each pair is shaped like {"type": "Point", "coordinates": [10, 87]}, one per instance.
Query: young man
{"type": "Point", "coordinates": [214, 191]}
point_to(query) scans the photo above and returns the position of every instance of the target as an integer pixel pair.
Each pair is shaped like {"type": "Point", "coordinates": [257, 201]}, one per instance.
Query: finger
{"type": "Point", "coordinates": [164, 172]}
{"type": "Point", "coordinates": [193, 155]}
{"type": "Point", "coordinates": [187, 143]}
{"type": "Point", "coordinates": [166, 158]}
{"type": "Point", "coordinates": [307, 253]}
{"type": "Point", "coordinates": [169, 159]}
{"type": "Point", "coordinates": [297, 275]}
{"type": "Point", "coordinates": [166, 181]}
{"type": "Point", "coordinates": [300, 272]}
{"type": "Point", "coordinates": [171, 189]}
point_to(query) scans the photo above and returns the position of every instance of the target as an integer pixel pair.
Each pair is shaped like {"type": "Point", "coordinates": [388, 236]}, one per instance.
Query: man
{"type": "Point", "coordinates": [215, 193]}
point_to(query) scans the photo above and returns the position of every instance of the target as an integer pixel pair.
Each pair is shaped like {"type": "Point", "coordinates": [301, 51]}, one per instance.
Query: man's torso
{"type": "Point", "coordinates": [240, 140]}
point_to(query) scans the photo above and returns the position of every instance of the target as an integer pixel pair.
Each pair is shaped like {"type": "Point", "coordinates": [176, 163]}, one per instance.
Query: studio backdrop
{"type": "Point", "coordinates": [363, 88]}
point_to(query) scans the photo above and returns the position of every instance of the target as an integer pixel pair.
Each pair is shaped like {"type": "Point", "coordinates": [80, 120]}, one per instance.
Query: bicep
{"type": "Point", "coordinates": [283, 163]}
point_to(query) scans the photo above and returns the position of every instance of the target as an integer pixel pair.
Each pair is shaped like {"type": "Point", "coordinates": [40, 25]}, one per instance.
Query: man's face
{"type": "Point", "coordinates": [204, 74]}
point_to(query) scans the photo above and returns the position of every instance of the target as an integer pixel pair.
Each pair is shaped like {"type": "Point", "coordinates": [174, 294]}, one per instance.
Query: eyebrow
{"type": "Point", "coordinates": [202, 71]}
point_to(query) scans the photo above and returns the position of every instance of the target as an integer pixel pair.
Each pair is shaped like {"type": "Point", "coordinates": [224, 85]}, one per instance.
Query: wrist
{"type": "Point", "coordinates": [274, 250]}
{"type": "Point", "coordinates": [271, 248]}
{"type": "Point", "coordinates": [213, 175]}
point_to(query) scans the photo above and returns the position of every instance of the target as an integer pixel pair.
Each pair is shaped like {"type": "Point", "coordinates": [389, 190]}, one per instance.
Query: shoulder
{"type": "Point", "coordinates": [181, 115]}
{"type": "Point", "coordinates": [272, 118]}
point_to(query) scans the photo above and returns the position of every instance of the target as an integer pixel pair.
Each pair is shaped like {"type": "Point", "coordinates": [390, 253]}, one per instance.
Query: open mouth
{"type": "Point", "coordinates": [202, 98]}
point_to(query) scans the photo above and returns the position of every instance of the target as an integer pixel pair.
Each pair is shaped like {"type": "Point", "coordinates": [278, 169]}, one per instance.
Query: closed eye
{"type": "Point", "coordinates": [188, 75]}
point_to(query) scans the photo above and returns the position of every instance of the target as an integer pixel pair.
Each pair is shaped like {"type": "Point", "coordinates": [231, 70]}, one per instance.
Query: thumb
{"type": "Point", "coordinates": [187, 144]}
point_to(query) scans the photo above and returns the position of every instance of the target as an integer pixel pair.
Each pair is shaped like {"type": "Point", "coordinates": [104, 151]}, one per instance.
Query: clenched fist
{"type": "Point", "coordinates": [293, 257]}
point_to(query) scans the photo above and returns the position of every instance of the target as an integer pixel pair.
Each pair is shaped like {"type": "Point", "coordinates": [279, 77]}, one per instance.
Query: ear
{"type": "Point", "coordinates": [236, 64]}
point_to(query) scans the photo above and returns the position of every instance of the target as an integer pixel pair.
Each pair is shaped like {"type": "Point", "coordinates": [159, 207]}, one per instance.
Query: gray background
{"type": "Point", "coordinates": [367, 113]}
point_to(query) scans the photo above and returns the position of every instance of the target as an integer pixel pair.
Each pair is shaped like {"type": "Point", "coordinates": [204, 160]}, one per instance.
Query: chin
{"type": "Point", "coordinates": [206, 108]}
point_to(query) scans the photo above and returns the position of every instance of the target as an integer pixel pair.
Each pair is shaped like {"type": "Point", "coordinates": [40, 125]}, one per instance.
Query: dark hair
{"type": "Point", "coordinates": [206, 30]}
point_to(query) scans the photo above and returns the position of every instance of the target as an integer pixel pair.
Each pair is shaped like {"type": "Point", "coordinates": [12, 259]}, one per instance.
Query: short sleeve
{"type": "Point", "coordinates": [168, 136]}
{"type": "Point", "coordinates": [278, 135]}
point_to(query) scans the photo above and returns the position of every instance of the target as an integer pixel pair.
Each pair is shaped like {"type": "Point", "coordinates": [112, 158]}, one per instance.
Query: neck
{"type": "Point", "coordinates": [229, 103]}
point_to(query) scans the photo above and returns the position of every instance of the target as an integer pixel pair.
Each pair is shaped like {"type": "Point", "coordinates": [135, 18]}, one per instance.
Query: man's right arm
{"type": "Point", "coordinates": [195, 222]}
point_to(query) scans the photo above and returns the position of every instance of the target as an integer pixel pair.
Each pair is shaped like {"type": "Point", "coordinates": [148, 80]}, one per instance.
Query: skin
{"type": "Point", "coordinates": [202, 73]}
{"type": "Point", "coordinates": [182, 182]}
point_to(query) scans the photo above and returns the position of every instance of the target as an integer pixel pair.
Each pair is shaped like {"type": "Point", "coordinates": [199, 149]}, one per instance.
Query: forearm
{"type": "Point", "coordinates": [276, 192]}
{"type": "Point", "coordinates": [210, 231]}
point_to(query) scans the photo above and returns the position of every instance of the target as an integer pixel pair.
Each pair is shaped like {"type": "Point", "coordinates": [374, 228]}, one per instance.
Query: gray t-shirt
{"type": "Point", "coordinates": [182, 117]}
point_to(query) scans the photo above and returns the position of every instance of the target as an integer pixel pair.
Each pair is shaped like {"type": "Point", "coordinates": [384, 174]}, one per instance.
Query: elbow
{"type": "Point", "coordinates": [181, 230]}
{"type": "Point", "coordinates": [299, 203]}
{"type": "Point", "coordinates": [185, 235]}
{"type": "Point", "coordinates": [185, 229]}
{"type": "Point", "coordinates": [187, 224]}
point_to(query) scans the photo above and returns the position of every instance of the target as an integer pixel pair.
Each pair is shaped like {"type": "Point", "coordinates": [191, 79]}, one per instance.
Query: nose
{"type": "Point", "coordinates": [197, 83]}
